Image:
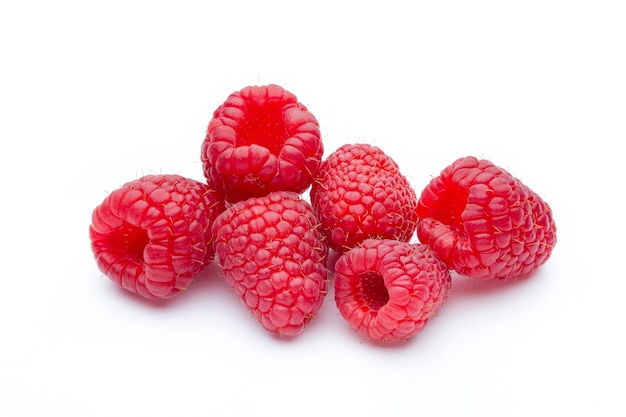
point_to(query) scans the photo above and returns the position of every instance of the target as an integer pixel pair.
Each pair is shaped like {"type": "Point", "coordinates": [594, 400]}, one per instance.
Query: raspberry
{"type": "Point", "coordinates": [360, 193]}
{"type": "Point", "coordinates": [274, 257]}
{"type": "Point", "coordinates": [388, 290]}
{"type": "Point", "coordinates": [483, 222]}
{"type": "Point", "coordinates": [260, 140]}
{"type": "Point", "coordinates": [152, 236]}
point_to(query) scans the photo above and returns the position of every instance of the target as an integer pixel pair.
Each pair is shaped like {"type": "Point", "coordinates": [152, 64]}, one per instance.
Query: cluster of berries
{"type": "Point", "coordinates": [262, 151]}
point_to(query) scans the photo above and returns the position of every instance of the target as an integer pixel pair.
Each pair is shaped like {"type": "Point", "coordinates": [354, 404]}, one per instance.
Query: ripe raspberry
{"type": "Point", "coordinates": [388, 290]}
{"type": "Point", "coordinates": [359, 193]}
{"type": "Point", "coordinates": [260, 140]}
{"type": "Point", "coordinates": [274, 256]}
{"type": "Point", "coordinates": [483, 222]}
{"type": "Point", "coordinates": [152, 236]}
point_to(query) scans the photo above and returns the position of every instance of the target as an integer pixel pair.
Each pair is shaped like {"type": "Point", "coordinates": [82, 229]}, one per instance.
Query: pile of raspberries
{"type": "Point", "coordinates": [262, 151]}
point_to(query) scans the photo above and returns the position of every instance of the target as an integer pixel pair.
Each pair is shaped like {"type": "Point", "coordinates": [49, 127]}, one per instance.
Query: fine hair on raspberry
{"type": "Point", "coordinates": [261, 140]}
{"type": "Point", "coordinates": [152, 236]}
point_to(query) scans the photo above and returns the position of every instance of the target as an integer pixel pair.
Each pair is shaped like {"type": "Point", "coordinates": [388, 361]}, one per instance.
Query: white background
{"type": "Point", "coordinates": [94, 94]}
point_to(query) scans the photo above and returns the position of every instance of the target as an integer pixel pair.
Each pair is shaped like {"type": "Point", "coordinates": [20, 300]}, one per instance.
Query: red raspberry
{"type": "Point", "coordinates": [483, 222]}
{"type": "Point", "coordinates": [152, 236]}
{"type": "Point", "coordinates": [260, 140]}
{"type": "Point", "coordinates": [359, 193]}
{"type": "Point", "coordinates": [273, 255]}
{"type": "Point", "coordinates": [388, 290]}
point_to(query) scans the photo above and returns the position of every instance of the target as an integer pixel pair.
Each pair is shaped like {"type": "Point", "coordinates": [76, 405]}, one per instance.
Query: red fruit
{"type": "Point", "coordinates": [388, 290]}
{"type": "Point", "coordinates": [260, 140]}
{"type": "Point", "coordinates": [483, 222]}
{"type": "Point", "coordinates": [273, 255]}
{"type": "Point", "coordinates": [360, 193]}
{"type": "Point", "coordinates": [152, 236]}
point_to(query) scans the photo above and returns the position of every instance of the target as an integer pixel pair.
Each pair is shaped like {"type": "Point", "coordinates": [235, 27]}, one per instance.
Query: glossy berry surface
{"type": "Point", "coordinates": [485, 223]}
{"type": "Point", "coordinates": [388, 290]}
{"type": "Point", "coordinates": [261, 140]}
{"type": "Point", "coordinates": [152, 236]}
{"type": "Point", "coordinates": [274, 257]}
